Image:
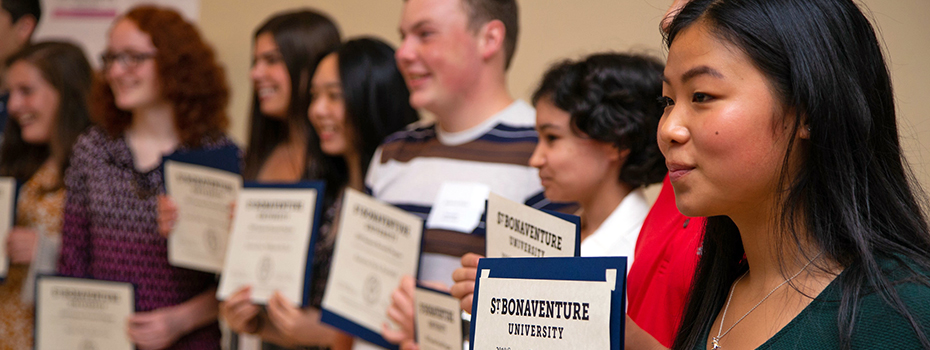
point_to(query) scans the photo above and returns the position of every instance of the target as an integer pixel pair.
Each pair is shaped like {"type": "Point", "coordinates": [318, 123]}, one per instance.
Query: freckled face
{"type": "Point", "coordinates": [723, 132]}
{"type": "Point", "coordinates": [572, 168]}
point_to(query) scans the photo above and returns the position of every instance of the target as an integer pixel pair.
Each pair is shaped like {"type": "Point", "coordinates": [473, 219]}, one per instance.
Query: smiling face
{"type": "Point", "coordinates": [572, 168]}
{"type": "Point", "coordinates": [723, 133]}
{"type": "Point", "coordinates": [270, 79]}
{"type": "Point", "coordinates": [134, 82]}
{"type": "Point", "coordinates": [439, 55]}
{"type": "Point", "coordinates": [328, 110]}
{"type": "Point", "coordinates": [33, 102]}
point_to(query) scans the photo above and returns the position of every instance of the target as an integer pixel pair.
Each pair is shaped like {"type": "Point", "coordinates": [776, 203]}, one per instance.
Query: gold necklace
{"type": "Point", "coordinates": [716, 340]}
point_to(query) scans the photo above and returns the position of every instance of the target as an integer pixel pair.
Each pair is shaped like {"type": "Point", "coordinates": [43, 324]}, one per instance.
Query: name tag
{"type": "Point", "coordinates": [458, 206]}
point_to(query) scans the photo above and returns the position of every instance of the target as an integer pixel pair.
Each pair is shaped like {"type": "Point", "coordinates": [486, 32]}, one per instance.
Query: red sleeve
{"type": "Point", "coordinates": [667, 252]}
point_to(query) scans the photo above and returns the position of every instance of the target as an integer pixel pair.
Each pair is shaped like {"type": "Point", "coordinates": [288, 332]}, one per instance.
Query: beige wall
{"type": "Point", "coordinates": [556, 29]}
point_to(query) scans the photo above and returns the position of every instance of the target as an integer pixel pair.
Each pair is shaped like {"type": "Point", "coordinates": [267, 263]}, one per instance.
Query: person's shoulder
{"type": "Point", "coordinates": [418, 131]}
{"type": "Point", "coordinates": [219, 140]}
{"type": "Point", "coordinates": [91, 140]}
{"type": "Point", "coordinates": [518, 114]}
{"type": "Point", "coordinates": [881, 323]}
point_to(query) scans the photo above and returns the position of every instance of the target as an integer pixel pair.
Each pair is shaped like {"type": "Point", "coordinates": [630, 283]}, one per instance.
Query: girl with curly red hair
{"type": "Point", "coordinates": [162, 91]}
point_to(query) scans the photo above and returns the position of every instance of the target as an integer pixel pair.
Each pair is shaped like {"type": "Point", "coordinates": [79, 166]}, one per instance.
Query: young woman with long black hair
{"type": "Point", "coordinates": [780, 127]}
{"type": "Point", "coordinates": [358, 98]}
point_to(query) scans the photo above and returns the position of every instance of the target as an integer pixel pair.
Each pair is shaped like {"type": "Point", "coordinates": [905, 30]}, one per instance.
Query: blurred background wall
{"type": "Point", "coordinates": [557, 29]}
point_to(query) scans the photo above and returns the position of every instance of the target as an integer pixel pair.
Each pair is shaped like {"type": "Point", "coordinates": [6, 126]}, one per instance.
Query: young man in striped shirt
{"type": "Point", "coordinates": [454, 57]}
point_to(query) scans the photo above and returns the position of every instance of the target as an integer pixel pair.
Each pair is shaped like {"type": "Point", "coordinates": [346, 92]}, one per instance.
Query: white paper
{"type": "Point", "coordinates": [7, 205]}
{"type": "Point", "coordinates": [376, 245]}
{"type": "Point", "coordinates": [517, 230]}
{"type": "Point", "coordinates": [438, 320]}
{"type": "Point", "coordinates": [204, 198]}
{"type": "Point", "coordinates": [458, 206]}
{"type": "Point", "coordinates": [522, 314]}
{"type": "Point", "coordinates": [269, 243]}
{"type": "Point", "coordinates": [82, 314]}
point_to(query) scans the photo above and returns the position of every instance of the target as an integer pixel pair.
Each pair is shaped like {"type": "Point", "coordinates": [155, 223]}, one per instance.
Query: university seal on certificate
{"type": "Point", "coordinates": [376, 245]}
{"type": "Point", "coordinates": [203, 196]}
{"type": "Point", "coordinates": [271, 244]}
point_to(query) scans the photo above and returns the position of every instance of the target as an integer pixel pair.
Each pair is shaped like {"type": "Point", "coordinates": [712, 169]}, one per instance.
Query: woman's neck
{"type": "Point", "coordinates": [151, 134]}
{"type": "Point", "coordinates": [354, 165]}
{"type": "Point", "coordinates": [596, 209]}
{"type": "Point", "coordinates": [772, 254]}
{"type": "Point", "coordinates": [154, 122]}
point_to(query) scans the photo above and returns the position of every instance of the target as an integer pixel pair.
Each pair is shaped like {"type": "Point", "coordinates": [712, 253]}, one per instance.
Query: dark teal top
{"type": "Point", "coordinates": [877, 325]}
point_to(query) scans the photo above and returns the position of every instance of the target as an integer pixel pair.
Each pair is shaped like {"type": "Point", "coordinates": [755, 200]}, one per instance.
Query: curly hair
{"type": "Point", "coordinates": [191, 80]}
{"type": "Point", "coordinates": [611, 97]}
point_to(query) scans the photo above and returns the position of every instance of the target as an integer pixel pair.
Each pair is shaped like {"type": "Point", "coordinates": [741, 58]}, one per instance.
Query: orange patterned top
{"type": "Point", "coordinates": [40, 210]}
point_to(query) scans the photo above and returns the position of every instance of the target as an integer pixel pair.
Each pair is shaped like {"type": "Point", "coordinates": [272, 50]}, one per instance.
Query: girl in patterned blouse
{"type": "Point", "coordinates": [163, 91]}
{"type": "Point", "coordinates": [49, 84]}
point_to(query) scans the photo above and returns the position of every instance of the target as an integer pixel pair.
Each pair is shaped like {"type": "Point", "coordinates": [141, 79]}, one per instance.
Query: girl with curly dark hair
{"type": "Point", "coordinates": [597, 120]}
{"type": "Point", "coordinates": [162, 91]}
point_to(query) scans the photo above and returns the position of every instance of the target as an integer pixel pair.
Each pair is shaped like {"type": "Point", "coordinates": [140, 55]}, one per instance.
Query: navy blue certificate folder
{"type": "Point", "coordinates": [560, 269]}
{"type": "Point", "coordinates": [224, 158]}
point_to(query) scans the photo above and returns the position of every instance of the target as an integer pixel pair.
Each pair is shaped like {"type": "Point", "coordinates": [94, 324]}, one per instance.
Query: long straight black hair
{"type": "Point", "coordinates": [376, 105]}
{"type": "Point", "coordinates": [853, 195]}
{"type": "Point", "coordinates": [64, 66]}
{"type": "Point", "coordinates": [303, 37]}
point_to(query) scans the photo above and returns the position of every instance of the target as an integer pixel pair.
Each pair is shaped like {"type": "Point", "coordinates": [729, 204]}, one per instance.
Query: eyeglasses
{"type": "Point", "coordinates": [129, 60]}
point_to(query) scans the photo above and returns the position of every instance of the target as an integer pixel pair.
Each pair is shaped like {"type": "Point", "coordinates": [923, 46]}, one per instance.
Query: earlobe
{"type": "Point", "coordinates": [491, 38]}
{"type": "Point", "coordinates": [804, 132]}
{"type": "Point", "coordinates": [616, 154]}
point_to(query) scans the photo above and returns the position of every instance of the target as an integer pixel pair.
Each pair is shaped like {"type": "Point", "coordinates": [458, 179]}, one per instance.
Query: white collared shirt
{"type": "Point", "coordinates": [617, 235]}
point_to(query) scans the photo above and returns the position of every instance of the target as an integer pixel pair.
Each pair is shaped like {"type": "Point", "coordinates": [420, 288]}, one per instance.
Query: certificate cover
{"type": "Point", "coordinates": [203, 184]}
{"type": "Point", "coordinates": [549, 303]}
{"type": "Point", "coordinates": [224, 158]}
{"type": "Point", "coordinates": [9, 191]}
{"type": "Point", "coordinates": [438, 320]}
{"type": "Point", "coordinates": [376, 245]}
{"type": "Point", "coordinates": [78, 313]}
{"type": "Point", "coordinates": [517, 230]}
{"type": "Point", "coordinates": [271, 246]}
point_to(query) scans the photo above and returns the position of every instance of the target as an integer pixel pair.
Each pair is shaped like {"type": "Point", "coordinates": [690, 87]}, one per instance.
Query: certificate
{"type": "Point", "coordinates": [204, 198]}
{"type": "Point", "coordinates": [7, 213]}
{"type": "Point", "coordinates": [271, 245]}
{"type": "Point", "coordinates": [549, 303]}
{"type": "Point", "coordinates": [376, 245]}
{"type": "Point", "coordinates": [438, 320]}
{"type": "Point", "coordinates": [517, 230]}
{"type": "Point", "coordinates": [76, 313]}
